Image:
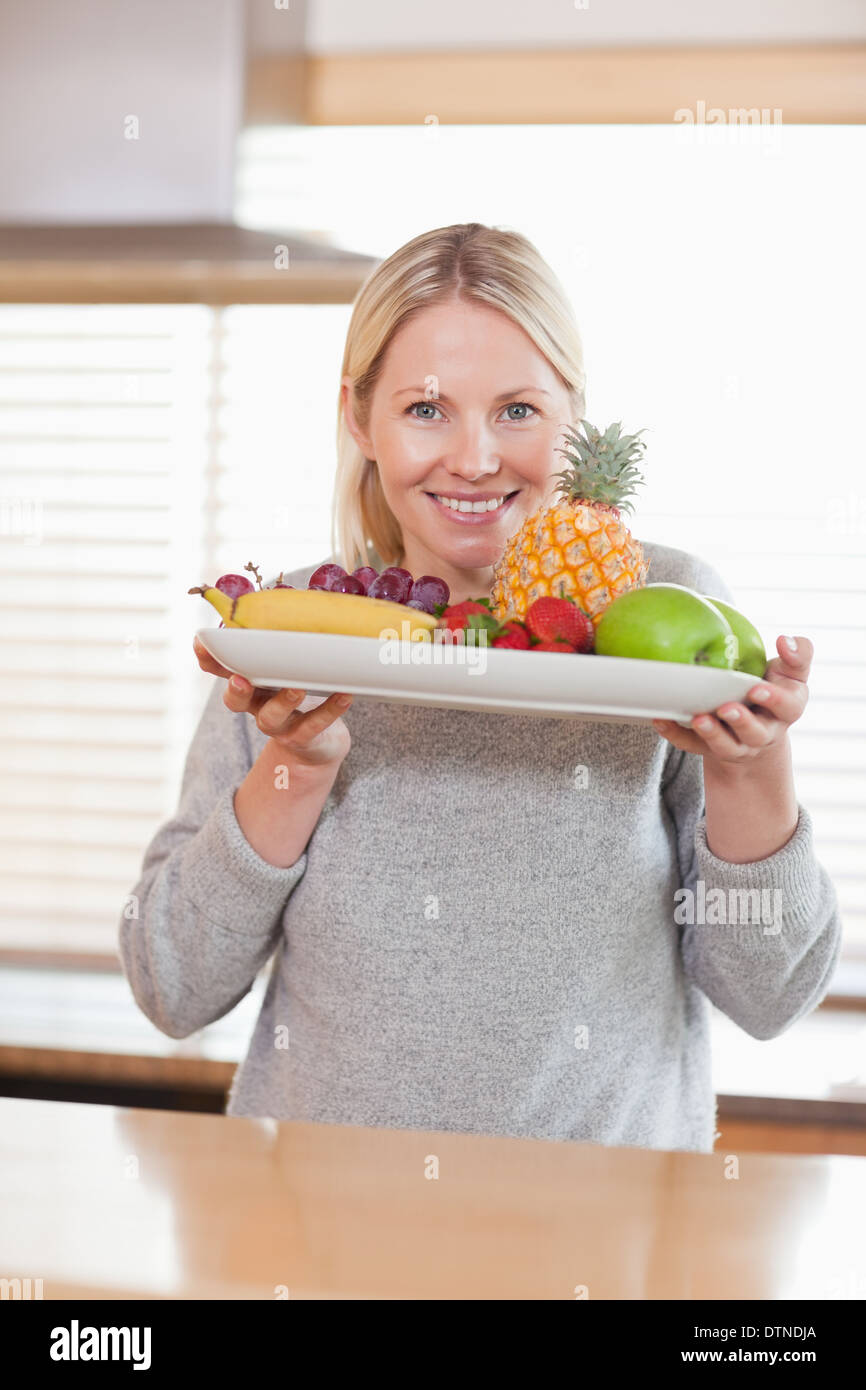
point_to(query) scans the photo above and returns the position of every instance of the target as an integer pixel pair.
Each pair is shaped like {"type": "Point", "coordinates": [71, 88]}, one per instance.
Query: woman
{"type": "Point", "coordinates": [467, 935]}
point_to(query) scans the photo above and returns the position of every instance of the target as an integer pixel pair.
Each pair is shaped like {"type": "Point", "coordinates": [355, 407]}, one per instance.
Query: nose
{"type": "Point", "coordinates": [474, 455]}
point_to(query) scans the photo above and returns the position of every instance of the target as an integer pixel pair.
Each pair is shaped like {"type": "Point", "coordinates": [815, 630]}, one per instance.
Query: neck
{"type": "Point", "coordinates": [462, 583]}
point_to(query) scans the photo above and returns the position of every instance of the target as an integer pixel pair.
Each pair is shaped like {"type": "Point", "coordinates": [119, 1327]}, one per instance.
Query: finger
{"type": "Point", "coordinates": [777, 677]}
{"type": "Point", "coordinates": [716, 739]}
{"type": "Point", "coordinates": [677, 735]}
{"type": "Point", "coordinates": [206, 661]}
{"type": "Point", "coordinates": [240, 696]}
{"type": "Point", "coordinates": [780, 698]}
{"type": "Point", "coordinates": [755, 730]}
{"type": "Point", "coordinates": [310, 724]}
{"type": "Point", "coordinates": [277, 711]}
{"type": "Point", "coordinates": [793, 661]}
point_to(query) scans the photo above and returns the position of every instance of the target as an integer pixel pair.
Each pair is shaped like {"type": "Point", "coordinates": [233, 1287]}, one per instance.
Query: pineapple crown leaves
{"type": "Point", "coordinates": [602, 467]}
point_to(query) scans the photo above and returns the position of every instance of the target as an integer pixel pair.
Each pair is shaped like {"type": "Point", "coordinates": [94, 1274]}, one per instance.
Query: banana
{"type": "Point", "coordinates": [318, 610]}
{"type": "Point", "coordinates": [221, 602]}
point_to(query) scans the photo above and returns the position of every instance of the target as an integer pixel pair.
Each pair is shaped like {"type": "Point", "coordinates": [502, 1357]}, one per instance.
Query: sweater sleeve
{"type": "Point", "coordinates": [764, 948]}
{"type": "Point", "coordinates": [206, 911]}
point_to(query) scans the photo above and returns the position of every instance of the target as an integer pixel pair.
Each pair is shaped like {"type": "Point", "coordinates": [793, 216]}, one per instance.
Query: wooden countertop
{"type": "Point", "coordinates": [103, 1202]}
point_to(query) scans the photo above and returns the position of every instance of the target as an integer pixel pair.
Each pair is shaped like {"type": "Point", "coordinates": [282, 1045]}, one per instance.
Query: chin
{"type": "Point", "coordinates": [481, 555]}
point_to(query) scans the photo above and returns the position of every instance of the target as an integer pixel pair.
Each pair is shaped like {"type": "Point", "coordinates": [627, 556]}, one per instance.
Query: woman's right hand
{"type": "Point", "coordinates": [314, 738]}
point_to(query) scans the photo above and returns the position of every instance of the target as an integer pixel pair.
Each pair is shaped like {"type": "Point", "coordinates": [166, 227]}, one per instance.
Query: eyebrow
{"type": "Point", "coordinates": [503, 396]}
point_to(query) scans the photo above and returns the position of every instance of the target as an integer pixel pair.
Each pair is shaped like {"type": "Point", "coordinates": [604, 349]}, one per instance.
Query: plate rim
{"type": "Point", "coordinates": [556, 707]}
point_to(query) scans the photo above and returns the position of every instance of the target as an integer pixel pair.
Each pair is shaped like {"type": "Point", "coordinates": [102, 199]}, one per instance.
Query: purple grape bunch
{"type": "Point", "coordinates": [394, 584]}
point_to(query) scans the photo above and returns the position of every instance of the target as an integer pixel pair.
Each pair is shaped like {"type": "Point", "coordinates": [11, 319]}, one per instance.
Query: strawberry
{"type": "Point", "coordinates": [554, 645]}
{"type": "Point", "coordinates": [456, 617]}
{"type": "Point", "coordinates": [512, 634]}
{"type": "Point", "coordinates": [560, 619]}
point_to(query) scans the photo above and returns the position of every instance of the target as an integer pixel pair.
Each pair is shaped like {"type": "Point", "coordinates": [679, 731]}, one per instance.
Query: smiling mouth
{"type": "Point", "coordinates": [466, 508]}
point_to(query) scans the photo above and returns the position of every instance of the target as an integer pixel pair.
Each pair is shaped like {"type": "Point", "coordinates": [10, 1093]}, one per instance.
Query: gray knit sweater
{"type": "Point", "coordinates": [480, 936]}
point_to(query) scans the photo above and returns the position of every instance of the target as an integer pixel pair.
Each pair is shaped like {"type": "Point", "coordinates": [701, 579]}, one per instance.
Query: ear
{"type": "Point", "coordinates": [361, 439]}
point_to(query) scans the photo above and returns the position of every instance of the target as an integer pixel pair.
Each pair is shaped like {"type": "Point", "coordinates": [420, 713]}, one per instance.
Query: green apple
{"type": "Point", "coordinates": [752, 657]}
{"type": "Point", "coordinates": [666, 622]}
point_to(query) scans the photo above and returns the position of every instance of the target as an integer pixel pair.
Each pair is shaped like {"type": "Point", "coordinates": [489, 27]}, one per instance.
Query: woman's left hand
{"type": "Point", "coordinates": [736, 733]}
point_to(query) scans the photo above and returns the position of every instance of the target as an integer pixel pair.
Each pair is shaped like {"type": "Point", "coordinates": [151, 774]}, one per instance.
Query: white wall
{"type": "Point", "coordinates": [72, 71]}
{"type": "Point", "coordinates": [337, 26]}
{"type": "Point", "coordinates": [272, 30]}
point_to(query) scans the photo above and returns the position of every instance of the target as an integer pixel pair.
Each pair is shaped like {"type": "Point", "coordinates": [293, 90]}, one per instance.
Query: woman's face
{"type": "Point", "coordinates": [465, 407]}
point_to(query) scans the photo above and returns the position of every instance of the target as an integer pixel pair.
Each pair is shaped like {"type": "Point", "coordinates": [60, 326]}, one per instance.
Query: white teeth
{"type": "Point", "coordinates": [457, 506]}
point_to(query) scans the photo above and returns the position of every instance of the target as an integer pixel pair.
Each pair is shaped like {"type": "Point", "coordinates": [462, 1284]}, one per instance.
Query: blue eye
{"type": "Point", "coordinates": [515, 405]}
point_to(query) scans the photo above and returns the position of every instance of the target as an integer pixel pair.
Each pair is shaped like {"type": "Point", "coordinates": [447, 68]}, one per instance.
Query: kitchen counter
{"type": "Point", "coordinates": [174, 263]}
{"type": "Point", "coordinates": [100, 1202]}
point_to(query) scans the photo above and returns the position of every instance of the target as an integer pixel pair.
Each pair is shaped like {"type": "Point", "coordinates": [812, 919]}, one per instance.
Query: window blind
{"type": "Point", "coordinates": [104, 436]}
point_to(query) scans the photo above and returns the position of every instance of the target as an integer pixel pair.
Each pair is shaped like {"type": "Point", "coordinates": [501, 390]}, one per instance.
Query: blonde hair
{"type": "Point", "coordinates": [467, 261]}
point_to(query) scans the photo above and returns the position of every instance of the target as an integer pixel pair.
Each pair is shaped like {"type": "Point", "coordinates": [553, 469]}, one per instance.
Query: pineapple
{"type": "Point", "coordinates": [578, 546]}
